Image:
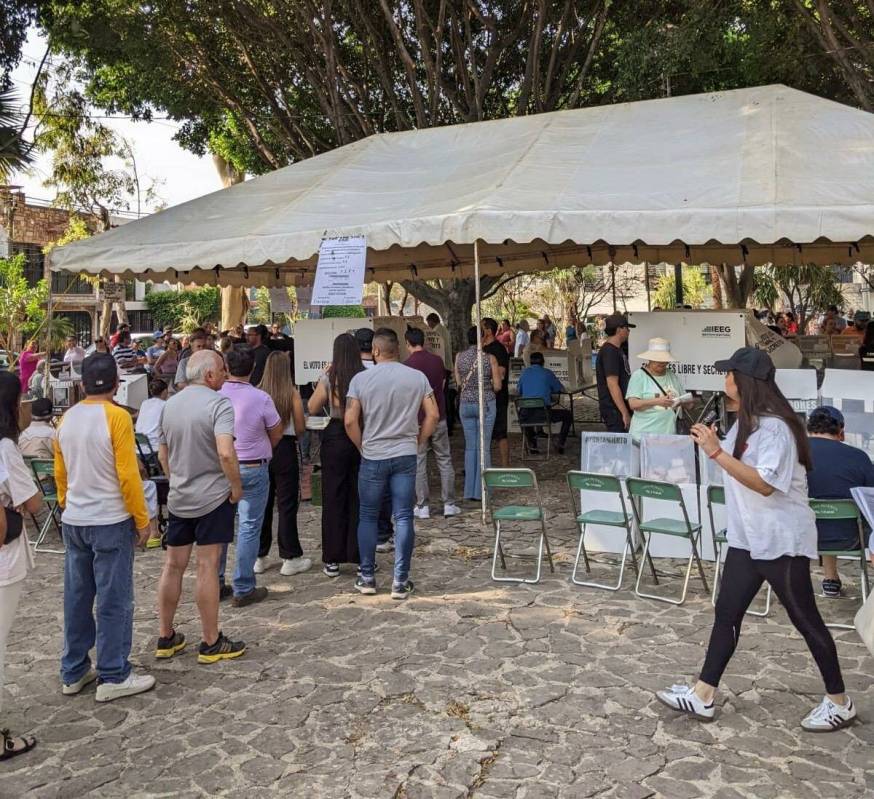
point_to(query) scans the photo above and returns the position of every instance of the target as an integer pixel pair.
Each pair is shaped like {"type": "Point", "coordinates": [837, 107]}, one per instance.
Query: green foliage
{"type": "Point", "coordinates": [259, 310]}
{"type": "Point", "coordinates": [806, 290]}
{"type": "Point", "coordinates": [185, 309]}
{"type": "Point", "coordinates": [21, 306]}
{"type": "Point", "coordinates": [696, 292]}
{"type": "Point", "coordinates": [15, 153]}
{"type": "Point", "coordinates": [76, 230]}
{"type": "Point", "coordinates": [343, 312]}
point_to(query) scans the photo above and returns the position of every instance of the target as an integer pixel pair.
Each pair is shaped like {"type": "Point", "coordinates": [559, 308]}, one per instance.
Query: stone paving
{"type": "Point", "coordinates": [469, 689]}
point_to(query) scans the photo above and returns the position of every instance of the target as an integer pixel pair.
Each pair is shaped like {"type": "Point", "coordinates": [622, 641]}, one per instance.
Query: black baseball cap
{"type": "Point", "coordinates": [830, 412]}
{"type": "Point", "coordinates": [99, 373]}
{"type": "Point", "coordinates": [617, 320]}
{"type": "Point", "coordinates": [749, 361]}
{"type": "Point", "coordinates": [364, 337]}
{"type": "Point", "coordinates": [41, 409]}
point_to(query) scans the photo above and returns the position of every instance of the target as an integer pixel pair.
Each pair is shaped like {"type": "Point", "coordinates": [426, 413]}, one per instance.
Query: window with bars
{"type": "Point", "coordinates": [34, 271]}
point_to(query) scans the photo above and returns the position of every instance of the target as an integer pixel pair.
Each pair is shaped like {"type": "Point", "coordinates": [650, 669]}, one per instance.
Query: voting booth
{"type": "Point", "coordinates": [133, 390]}
{"type": "Point", "coordinates": [852, 393]}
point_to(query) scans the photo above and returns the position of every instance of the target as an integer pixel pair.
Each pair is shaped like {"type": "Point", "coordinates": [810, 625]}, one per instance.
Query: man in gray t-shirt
{"type": "Point", "coordinates": [196, 437]}
{"type": "Point", "coordinates": [385, 402]}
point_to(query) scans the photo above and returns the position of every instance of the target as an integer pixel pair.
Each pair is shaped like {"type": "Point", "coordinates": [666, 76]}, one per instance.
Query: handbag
{"type": "Point", "coordinates": [864, 622]}
{"type": "Point", "coordinates": [14, 524]}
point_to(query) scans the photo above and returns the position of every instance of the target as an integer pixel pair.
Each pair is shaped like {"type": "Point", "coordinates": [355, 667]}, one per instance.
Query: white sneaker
{"type": "Point", "coordinates": [69, 689]}
{"type": "Point", "coordinates": [451, 509]}
{"type": "Point", "coordinates": [829, 716]}
{"type": "Point", "coordinates": [683, 699]}
{"type": "Point", "coordinates": [422, 512]}
{"type": "Point", "coordinates": [260, 565]}
{"type": "Point", "coordinates": [292, 566]}
{"type": "Point", "coordinates": [134, 684]}
{"type": "Point", "coordinates": [386, 546]}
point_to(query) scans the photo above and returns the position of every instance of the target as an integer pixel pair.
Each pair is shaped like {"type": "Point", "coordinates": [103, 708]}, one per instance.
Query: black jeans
{"type": "Point", "coordinates": [790, 578]}
{"type": "Point", "coordinates": [284, 489]}
{"type": "Point", "coordinates": [532, 415]}
{"type": "Point", "coordinates": [613, 420]}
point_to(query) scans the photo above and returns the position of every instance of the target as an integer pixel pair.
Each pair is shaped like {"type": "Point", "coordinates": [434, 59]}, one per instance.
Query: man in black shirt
{"type": "Point", "coordinates": [502, 398]}
{"type": "Point", "coordinates": [613, 372]}
{"type": "Point", "coordinates": [257, 338]}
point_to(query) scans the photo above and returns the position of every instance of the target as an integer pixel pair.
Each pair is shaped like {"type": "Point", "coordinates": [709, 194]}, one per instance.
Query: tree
{"type": "Point", "coordinates": [21, 305]}
{"type": "Point", "coordinates": [736, 283]}
{"type": "Point", "coordinates": [15, 153]}
{"type": "Point", "coordinates": [696, 293]}
{"type": "Point", "coordinates": [805, 290]}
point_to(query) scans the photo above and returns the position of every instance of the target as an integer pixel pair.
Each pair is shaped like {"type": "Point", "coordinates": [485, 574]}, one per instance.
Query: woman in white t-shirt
{"type": "Point", "coordinates": [771, 534]}
{"type": "Point", "coordinates": [149, 414]}
{"type": "Point", "coordinates": [18, 492]}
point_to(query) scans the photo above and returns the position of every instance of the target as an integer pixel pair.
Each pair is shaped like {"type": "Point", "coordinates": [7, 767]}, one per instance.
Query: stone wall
{"type": "Point", "coordinates": [34, 224]}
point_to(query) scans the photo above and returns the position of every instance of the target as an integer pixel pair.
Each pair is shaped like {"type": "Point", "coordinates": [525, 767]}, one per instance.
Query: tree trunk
{"type": "Point", "coordinates": [716, 285]}
{"type": "Point", "coordinates": [736, 291]}
{"type": "Point", "coordinates": [235, 303]}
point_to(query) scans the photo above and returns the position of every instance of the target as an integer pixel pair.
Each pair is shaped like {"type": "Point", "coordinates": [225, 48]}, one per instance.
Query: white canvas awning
{"type": "Point", "coordinates": [760, 175]}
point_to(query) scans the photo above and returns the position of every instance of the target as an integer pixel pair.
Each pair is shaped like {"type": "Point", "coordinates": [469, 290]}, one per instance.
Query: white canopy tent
{"type": "Point", "coordinates": [761, 175]}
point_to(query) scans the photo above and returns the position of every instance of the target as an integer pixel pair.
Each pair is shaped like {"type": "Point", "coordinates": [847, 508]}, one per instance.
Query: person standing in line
{"type": "Point", "coordinates": [257, 338]}
{"type": "Point", "coordinates": [258, 429]}
{"type": "Point", "coordinates": [340, 458]}
{"type": "Point", "coordinates": [468, 366]}
{"type": "Point", "coordinates": [434, 323]}
{"type": "Point", "coordinates": [771, 533]}
{"type": "Point", "coordinates": [502, 397]}
{"type": "Point", "coordinates": [523, 338]}
{"type": "Point", "coordinates": [17, 493]}
{"type": "Point", "coordinates": [149, 416]}
{"type": "Point", "coordinates": [431, 366]}
{"type": "Point", "coordinates": [159, 345]}
{"type": "Point", "coordinates": [104, 515]}
{"type": "Point", "coordinates": [74, 354]}
{"type": "Point", "coordinates": [283, 470]}
{"type": "Point", "coordinates": [197, 454]}
{"type": "Point", "coordinates": [506, 336]}
{"type": "Point", "coordinates": [27, 363]}
{"type": "Point", "coordinates": [652, 390]}
{"type": "Point", "coordinates": [386, 401]}
{"type": "Point", "coordinates": [196, 343]}
{"type": "Point", "coordinates": [613, 373]}
{"type": "Point", "coordinates": [168, 362]}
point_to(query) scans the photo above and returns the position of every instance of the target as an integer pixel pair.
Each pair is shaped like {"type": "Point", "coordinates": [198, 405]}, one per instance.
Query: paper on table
{"type": "Point", "coordinates": [864, 498]}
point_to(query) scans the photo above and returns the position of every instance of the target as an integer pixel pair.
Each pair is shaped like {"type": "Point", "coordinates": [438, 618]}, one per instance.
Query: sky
{"type": "Point", "coordinates": [180, 175]}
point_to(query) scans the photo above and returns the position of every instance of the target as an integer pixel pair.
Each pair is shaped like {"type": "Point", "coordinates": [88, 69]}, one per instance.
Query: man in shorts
{"type": "Point", "coordinates": [197, 453]}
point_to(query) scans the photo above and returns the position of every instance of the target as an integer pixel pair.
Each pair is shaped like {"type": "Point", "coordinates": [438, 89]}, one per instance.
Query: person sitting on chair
{"type": "Point", "coordinates": [837, 467]}
{"type": "Point", "coordinates": [536, 381]}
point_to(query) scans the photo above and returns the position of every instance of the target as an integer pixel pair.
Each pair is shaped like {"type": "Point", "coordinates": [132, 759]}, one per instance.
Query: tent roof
{"type": "Point", "coordinates": [745, 175]}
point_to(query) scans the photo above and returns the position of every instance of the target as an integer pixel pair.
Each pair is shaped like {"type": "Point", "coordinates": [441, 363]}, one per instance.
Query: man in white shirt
{"type": "Point", "coordinates": [37, 439]}
{"type": "Point", "coordinates": [74, 354]}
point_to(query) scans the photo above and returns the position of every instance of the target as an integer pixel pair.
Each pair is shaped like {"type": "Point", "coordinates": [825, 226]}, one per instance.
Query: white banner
{"type": "Point", "coordinates": [340, 271]}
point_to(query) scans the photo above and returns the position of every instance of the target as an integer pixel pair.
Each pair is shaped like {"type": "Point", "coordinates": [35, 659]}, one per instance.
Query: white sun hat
{"type": "Point", "coordinates": [659, 350]}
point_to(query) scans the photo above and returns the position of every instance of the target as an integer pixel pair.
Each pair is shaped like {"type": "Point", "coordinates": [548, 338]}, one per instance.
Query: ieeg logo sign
{"type": "Point", "coordinates": [716, 331]}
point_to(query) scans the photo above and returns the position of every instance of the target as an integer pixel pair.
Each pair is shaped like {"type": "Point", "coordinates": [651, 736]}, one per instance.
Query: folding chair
{"type": "Point", "coordinates": [844, 509]}
{"type": "Point", "coordinates": [538, 417]}
{"type": "Point", "coordinates": [147, 454]}
{"type": "Point", "coordinates": [682, 528]}
{"type": "Point", "coordinates": [44, 474]}
{"type": "Point", "coordinates": [607, 484]}
{"type": "Point", "coordinates": [515, 479]}
{"type": "Point", "coordinates": [716, 496]}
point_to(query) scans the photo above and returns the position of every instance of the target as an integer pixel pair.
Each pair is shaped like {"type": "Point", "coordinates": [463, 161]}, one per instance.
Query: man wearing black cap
{"type": "Point", "coordinates": [613, 373]}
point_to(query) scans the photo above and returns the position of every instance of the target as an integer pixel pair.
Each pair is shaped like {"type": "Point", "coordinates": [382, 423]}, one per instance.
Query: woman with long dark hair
{"type": "Point", "coordinates": [284, 472]}
{"type": "Point", "coordinates": [17, 493]}
{"type": "Point", "coordinates": [340, 458]}
{"type": "Point", "coordinates": [771, 534]}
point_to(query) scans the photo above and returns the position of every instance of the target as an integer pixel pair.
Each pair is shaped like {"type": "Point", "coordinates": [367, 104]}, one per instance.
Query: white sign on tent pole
{"type": "Point", "coordinates": [340, 271]}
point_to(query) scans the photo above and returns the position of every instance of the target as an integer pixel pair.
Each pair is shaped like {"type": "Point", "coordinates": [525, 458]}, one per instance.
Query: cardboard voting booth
{"type": "Point", "coordinates": [852, 393]}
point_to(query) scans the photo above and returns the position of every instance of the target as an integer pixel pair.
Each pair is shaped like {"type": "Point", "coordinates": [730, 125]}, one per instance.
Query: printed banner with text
{"type": "Point", "coordinates": [340, 271]}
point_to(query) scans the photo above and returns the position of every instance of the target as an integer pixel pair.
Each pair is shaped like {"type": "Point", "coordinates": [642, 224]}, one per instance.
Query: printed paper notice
{"type": "Point", "coordinates": [340, 271]}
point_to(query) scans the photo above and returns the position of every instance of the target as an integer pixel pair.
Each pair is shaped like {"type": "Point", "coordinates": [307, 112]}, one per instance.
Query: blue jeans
{"type": "Point", "coordinates": [469, 413]}
{"type": "Point", "coordinates": [250, 511]}
{"type": "Point", "coordinates": [99, 565]}
{"type": "Point", "coordinates": [396, 476]}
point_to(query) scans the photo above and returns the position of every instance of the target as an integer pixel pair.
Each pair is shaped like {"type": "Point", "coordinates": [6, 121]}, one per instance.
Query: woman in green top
{"type": "Point", "coordinates": [652, 390]}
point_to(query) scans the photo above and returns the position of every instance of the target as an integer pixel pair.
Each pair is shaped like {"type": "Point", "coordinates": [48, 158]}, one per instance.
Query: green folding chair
{"type": "Point", "coordinates": [844, 510]}
{"type": "Point", "coordinates": [538, 418]}
{"type": "Point", "coordinates": [639, 489]}
{"type": "Point", "coordinates": [44, 474]}
{"type": "Point", "coordinates": [515, 480]}
{"type": "Point", "coordinates": [716, 496]}
{"type": "Point", "coordinates": [606, 484]}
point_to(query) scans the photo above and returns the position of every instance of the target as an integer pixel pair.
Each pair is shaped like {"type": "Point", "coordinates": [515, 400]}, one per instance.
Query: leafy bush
{"type": "Point", "coordinates": [185, 309]}
{"type": "Point", "coordinates": [343, 311]}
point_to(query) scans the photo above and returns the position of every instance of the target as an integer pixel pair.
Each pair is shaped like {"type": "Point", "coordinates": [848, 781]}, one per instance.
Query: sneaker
{"type": "Point", "coordinates": [386, 546]}
{"type": "Point", "coordinates": [134, 684]}
{"type": "Point", "coordinates": [375, 569]}
{"type": "Point", "coordinates": [422, 512]}
{"type": "Point", "coordinates": [292, 566]}
{"type": "Point", "coordinates": [451, 509]}
{"type": "Point", "coordinates": [332, 569]}
{"type": "Point", "coordinates": [829, 716]}
{"type": "Point", "coordinates": [363, 586]}
{"type": "Point", "coordinates": [169, 646]}
{"type": "Point", "coordinates": [223, 649]}
{"type": "Point", "coordinates": [260, 565]}
{"type": "Point", "coordinates": [153, 543]}
{"type": "Point", "coordinates": [254, 596]}
{"type": "Point", "coordinates": [69, 689]}
{"type": "Point", "coordinates": [225, 592]}
{"type": "Point", "coordinates": [831, 588]}
{"type": "Point", "coordinates": [402, 591]}
{"type": "Point", "coordinates": [683, 699]}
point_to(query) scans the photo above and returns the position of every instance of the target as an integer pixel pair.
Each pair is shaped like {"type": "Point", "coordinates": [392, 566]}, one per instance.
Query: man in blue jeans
{"type": "Point", "coordinates": [257, 429]}
{"type": "Point", "coordinates": [387, 400]}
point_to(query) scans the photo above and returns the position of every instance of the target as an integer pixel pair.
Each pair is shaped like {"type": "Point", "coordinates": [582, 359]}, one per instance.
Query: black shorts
{"type": "Point", "coordinates": [215, 527]}
{"type": "Point", "coordinates": [499, 431]}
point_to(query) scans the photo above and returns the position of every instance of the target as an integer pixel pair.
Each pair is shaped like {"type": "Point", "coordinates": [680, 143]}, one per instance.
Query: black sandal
{"type": "Point", "coordinates": [9, 750]}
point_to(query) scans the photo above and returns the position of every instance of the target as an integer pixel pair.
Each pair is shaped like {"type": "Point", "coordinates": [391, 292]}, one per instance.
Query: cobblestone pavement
{"type": "Point", "coordinates": [469, 689]}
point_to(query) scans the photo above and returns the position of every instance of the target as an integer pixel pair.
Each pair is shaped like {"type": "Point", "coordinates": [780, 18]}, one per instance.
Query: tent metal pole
{"type": "Point", "coordinates": [481, 390]}
{"type": "Point", "coordinates": [646, 283]}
